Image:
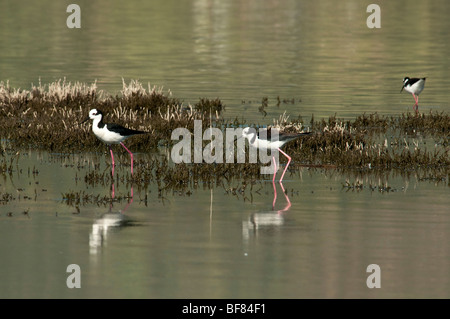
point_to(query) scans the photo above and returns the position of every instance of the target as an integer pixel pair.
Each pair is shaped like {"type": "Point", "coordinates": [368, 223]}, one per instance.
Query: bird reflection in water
{"type": "Point", "coordinates": [108, 222]}
{"type": "Point", "coordinates": [266, 219]}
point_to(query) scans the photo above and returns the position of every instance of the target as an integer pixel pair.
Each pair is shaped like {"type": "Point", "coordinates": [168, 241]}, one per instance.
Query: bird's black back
{"type": "Point", "coordinates": [412, 81]}
{"type": "Point", "coordinates": [282, 136]}
{"type": "Point", "coordinates": [113, 127]}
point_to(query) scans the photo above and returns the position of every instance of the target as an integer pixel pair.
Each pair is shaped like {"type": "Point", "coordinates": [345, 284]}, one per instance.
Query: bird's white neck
{"type": "Point", "coordinates": [96, 121]}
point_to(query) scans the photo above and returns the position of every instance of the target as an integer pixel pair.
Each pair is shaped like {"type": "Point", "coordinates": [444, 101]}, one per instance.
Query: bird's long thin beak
{"type": "Point", "coordinates": [402, 89]}
{"type": "Point", "coordinates": [85, 120]}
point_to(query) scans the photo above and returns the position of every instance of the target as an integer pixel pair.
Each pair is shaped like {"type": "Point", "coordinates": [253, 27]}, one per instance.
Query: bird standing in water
{"type": "Point", "coordinates": [414, 86]}
{"type": "Point", "coordinates": [265, 143]}
{"type": "Point", "coordinates": [111, 133]}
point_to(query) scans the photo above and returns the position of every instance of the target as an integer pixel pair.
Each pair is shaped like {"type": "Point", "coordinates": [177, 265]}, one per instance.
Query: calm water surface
{"type": "Point", "coordinates": [316, 241]}
{"type": "Point", "coordinates": [318, 56]}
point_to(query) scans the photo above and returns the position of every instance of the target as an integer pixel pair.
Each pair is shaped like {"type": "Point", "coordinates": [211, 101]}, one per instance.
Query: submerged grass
{"type": "Point", "coordinates": [48, 117]}
{"type": "Point", "coordinates": [155, 177]}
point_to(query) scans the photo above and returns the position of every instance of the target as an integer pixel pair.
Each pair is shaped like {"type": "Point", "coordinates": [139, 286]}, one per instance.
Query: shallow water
{"type": "Point", "coordinates": [319, 58]}
{"type": "Point", "coordinates": [316, 241]}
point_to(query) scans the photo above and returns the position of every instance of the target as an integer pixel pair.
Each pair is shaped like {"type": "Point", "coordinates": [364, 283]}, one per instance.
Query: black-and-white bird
{"type": "Point", "coordinates": [110, 133]}
{"type": "Point", "coordinates": [414, 86]}
{"type": "Point", "coordinates": [264, 142]}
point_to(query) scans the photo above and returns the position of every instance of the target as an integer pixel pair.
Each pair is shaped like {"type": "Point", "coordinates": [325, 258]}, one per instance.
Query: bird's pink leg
{"type": "Point", "coordinates": [275, 169]}
{"type": "Point", "coordinates": [131, 154]}
{"type": "Point", "coordinates": [285, 169]}
{"type": "Point", "coordinates": [416, 105]}
{"type": "Point", "coordinates": [288, 205]}
{"type": "Point", "coordinates": [129, 203]}
{"type": "Point", "coordinates": [112, 157]}
{"type": "Point", "coordinates": [274, 195]}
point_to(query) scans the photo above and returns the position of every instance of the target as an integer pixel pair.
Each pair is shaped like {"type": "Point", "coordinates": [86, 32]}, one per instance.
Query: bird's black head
{"type": "Point", "coordinates": [93, 114]}
{"type": "Point", "coordinates": [405, 82]}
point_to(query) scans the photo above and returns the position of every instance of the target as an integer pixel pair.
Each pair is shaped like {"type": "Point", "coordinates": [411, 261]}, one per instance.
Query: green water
{"type": "Point", "coordinates": [321, 58]}
{"type": "Point", "coordinates": [319, 54]}
{"type": "Point", "coordinates": [315, 240]}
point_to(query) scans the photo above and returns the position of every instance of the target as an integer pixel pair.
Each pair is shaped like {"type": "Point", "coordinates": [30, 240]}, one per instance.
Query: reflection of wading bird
{"type": "Point", "coordinates": [264, 142]}
{"type": "Point", "coordinates": [272, 220]}
{"type": "Point", "coordinates": [111, 133]}
{"type": "Point", "coordinates": [414, 86]}
{"type": "Point", "coordinates": [102, 226]}
{"type": "Point", "coordinates": [288, 205]}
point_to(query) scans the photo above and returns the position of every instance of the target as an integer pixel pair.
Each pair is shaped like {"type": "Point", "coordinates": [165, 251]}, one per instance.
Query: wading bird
{"type": "Point", "coordinates": [111, 133]}
{"type": "Point", "coordinates": [414, 86]}
{"type": "Point", "coordinates": [264, 142]}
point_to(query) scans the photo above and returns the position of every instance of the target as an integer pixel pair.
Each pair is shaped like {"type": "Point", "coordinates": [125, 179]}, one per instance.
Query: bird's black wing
{"type": "Point", "coordinates": [282, 137]}
{"type": "Point", "coordinates": [292, 136]}
{"type": "Point", "coordinates": [414, 80]}
{"type": "Point", "coordinates": [122, 130]}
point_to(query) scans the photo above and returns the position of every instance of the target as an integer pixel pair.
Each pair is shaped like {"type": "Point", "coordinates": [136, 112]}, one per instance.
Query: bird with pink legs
{"type": "Point", "coordinates": [111, 133]}
{"type": "Point", "coordinates": [414, 86]}
{"type": "Point", "coordinates": [263, 140]}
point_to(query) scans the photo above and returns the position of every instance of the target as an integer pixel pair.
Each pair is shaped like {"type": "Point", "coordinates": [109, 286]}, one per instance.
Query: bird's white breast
{"type": "Point", "coordinates": [106, 136]}
{"type": "Point", "coordinates": [264, 144]}
{"type": "Point", "coordinates": [416, 88]}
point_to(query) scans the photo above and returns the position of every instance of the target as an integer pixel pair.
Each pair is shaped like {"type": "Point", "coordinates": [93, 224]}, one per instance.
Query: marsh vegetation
{"type": "Point", "coordinates": [47, 117]}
